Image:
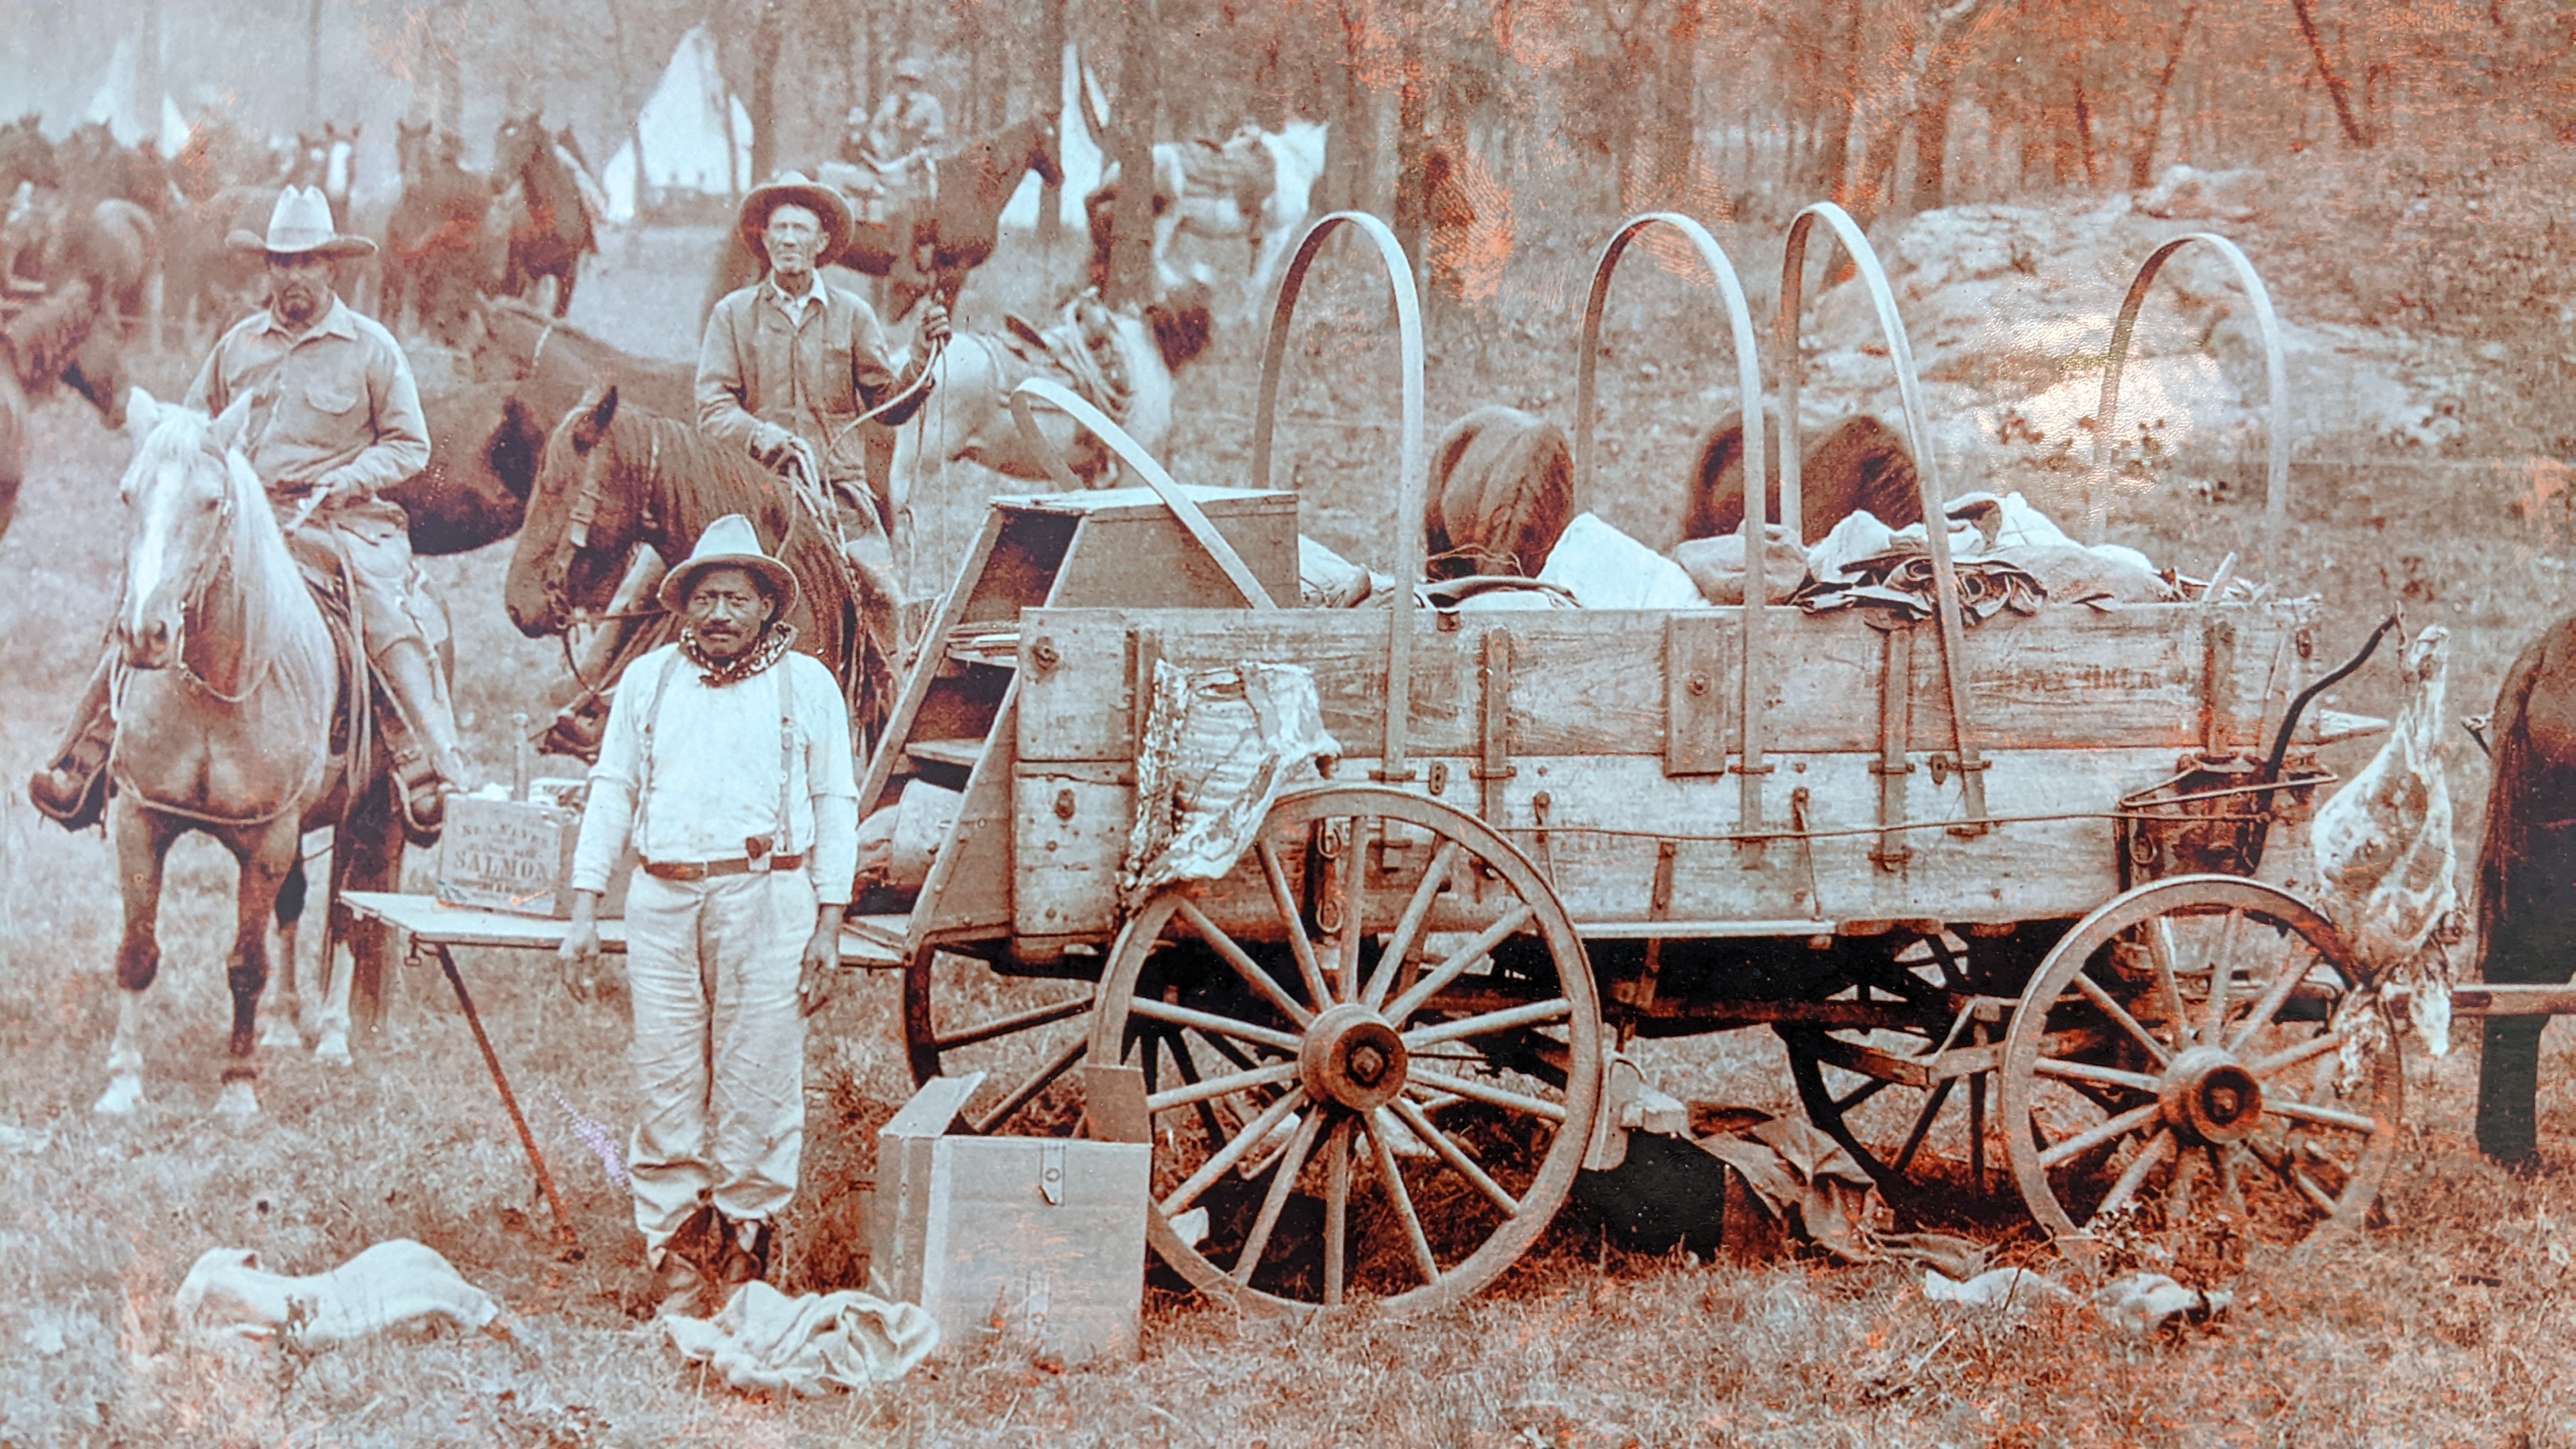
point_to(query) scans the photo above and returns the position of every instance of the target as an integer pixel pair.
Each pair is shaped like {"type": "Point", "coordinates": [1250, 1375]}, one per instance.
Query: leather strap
{"type": "Point", "coordinates": [692, 870]}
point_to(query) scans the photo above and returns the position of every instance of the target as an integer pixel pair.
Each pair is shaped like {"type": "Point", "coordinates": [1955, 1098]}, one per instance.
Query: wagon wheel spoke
{"type": "Point", "coordinates": [1204, 1102]}
{"type": "Point", "coordinates": [2222, 977]}
{"type": "Point", "coordinates": [1209, 1022]}
{"type": "Point", "coordinates": [2109, 1131]}
{"type": "Point", "coordinates": [2267, 1006]}
{"type": "Point", "coordinates": [2160, 950]}
{"type": "Point", "coordinates": [1337, 1211]}
{"type": "Point", "coordinates": [2106, 1076]}
{"type": "Point", "coordinates": [1409, 926]}
{"type": "Point", "coordinates": [1400, 1198]}
{"type": "Point", "coordinates": [1234, 1151]}
{"type": "Point", "coordinates": [1244, 966]}
{"type": "Point", "coordinates": [1424, 1082]}
{"type": "Point", "coordinates": [2222, 1159]}
{"type": "Point", "coordinates": [2180, 1187]}
{"type": "Point", "coordinates": [2119, 1014]}
{"type": "Point", "coordinates": [1026, 1092]}
{"type": "Point", "coordinates": [1283, 1180]}
{"type": "Point", "coordinates": [1439, 977]}
{"type": "Point", "coordinates": [1354, 882]}
{"type": "Point", "coordinates": [2315, 1116]}
{"type": "Point", "coordinates": [1922, 1122]}
{"type": "Point", "coordinates": [1488, 1023]}
{"type": "Point", "coordinates": [1292, 921]}
{"type": "Point", "coordinates": [2287, 1169]}
{"type": "Point", "coordinates": [2149, 1157]}
{"type": "Point", "coordinates": [1860, 1094]}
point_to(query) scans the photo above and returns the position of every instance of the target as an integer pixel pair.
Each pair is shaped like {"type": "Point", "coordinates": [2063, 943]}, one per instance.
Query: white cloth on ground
{"type": "Point", "coordinates": [764, 1340]}
{"type": "Point", "coordinates": [716, 758]}
{"type": "Point", "coordinates": [394, 1283]}
{"type": "Point", "coordinates": [1606, 569]}
{"type": "Point", "coordinates": [719, 1045]}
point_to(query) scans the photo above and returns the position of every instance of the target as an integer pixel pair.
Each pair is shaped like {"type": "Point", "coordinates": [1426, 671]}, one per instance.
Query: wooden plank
{"type": "Point", "coordinates": [1701, 720]}
{"type": "Point", "coordinates": [2500, 999]}
{"type": "Point", "coordinates": [1075, 696]}
{"type": "Point", "coordinates": [1072, 835]}
{"type": "Point", "coordinates": [1017, 567]}
{"type": "Point", "coordinates": [864, 942]}
{"type": "Point", "coordinates": [961, 754]}
{"type": "Point", "coordinates": [969, 888]}
{"type": "Point", "coordinates": [2069, 678]}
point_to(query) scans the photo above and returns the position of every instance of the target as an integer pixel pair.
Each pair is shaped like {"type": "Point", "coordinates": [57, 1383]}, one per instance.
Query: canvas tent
{"type": "Point", "coordinates": [684, 127]}
{"type": "Point", "coordinates": [1081, 153]}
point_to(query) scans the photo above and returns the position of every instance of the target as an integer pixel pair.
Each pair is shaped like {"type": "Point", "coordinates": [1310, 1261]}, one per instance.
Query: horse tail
{"type": "Point", "coordinates": [2514, 793]}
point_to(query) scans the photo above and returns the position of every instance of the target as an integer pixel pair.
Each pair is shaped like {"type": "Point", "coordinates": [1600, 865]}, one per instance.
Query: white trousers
{"type": "Point", "coordinates": [719, 1045]}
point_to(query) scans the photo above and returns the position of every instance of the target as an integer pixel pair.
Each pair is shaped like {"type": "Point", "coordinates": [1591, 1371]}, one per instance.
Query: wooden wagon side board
{"type": "Point", "coordinates": [1623, 683]}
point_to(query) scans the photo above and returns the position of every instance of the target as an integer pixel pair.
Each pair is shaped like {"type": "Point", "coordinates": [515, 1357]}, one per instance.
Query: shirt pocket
{"type": "Point", "coordinates": [332, 398]}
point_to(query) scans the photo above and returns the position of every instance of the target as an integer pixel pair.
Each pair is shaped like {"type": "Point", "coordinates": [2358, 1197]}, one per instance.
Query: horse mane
{"type": "Point", "coordinates": [270, 584]}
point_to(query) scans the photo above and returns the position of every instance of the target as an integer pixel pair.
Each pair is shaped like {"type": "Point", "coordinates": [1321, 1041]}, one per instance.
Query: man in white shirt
{"type": "Point", "coordinates": [747, 853]}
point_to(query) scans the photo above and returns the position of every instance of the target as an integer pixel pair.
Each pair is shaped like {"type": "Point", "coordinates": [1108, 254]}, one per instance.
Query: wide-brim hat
{"type": "Point", "coordinates": [300, 225]}
{"type": "Point", "coordinates": [729, 543]}
{"type": "Point", "coordinates": [795, 188]}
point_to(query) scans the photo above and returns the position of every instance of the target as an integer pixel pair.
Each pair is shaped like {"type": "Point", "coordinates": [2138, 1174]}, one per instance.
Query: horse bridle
{"type": "Point", "coordinates": [576, 540]}
{"type": "Point", "coordinates": [202, 578]}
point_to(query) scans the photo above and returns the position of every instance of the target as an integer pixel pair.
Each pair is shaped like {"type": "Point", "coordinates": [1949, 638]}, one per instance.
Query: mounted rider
{"type": "Point", "coordinates": [909, 122]}
{"type": "Point", "coordinates": [791, 363]}
{"type": "Point", "coordinates": [335, 418]}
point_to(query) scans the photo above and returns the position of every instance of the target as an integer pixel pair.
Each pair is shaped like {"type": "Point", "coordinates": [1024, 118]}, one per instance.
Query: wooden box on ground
{"type": "Point", "coordinates": [1038, 1240]}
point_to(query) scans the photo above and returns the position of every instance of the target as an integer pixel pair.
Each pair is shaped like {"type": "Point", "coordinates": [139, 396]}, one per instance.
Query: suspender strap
{"type": "Point", "coordinates": [786, 744]}
{"type": "Point", "coordinates": [644, 768]}
{"type": "Point", "coordinates": [786, 747]}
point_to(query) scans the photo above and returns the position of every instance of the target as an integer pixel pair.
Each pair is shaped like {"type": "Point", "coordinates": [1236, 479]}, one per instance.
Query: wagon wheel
{"type": "Point", "coordinates": [1928, 1137]}
{"type": "Point", "coordinates": [1026, 1034]}
{"type": "Point", "coordinates": [2138, 1099]}
{"type": "Point", "coordinates": [1410, 1078]}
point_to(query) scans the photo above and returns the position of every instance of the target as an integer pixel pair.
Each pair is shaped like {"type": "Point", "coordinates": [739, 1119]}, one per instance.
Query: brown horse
{"type": "Point", "coordinates": [549, 224]}
{"type": "Point", "coordinates": [933, 247]}
{"type": "Point", "coordinates": [437, 258]}
{"type": "Point", "coordinates": [615, 479]}
{"type": "Point", "coordinates": [1502, 491]}
{"type": "Point", "coordinates": [1859, 463]}
{"type": "Point", "coordinates": [2527, 878]}
{"type": "Point", "coordinates": [483, 448]}
{"type": "Point", "coordinates": [224, 726]}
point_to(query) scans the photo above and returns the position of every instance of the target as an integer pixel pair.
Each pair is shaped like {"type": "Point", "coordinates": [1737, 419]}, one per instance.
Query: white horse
{"type": "Point", "coordinates": [967, 418]}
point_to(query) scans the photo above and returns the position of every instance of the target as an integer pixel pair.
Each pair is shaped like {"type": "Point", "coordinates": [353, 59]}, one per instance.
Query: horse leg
{"type": "Point", "coordinates": [366, 857]}
{"type": "Point", "coordinates": [141, 841]}
{"type": "Point", "coordinates": [280, 1029]}
{"type": "Point", "coordinates": [266, 856]}
{"type": "Point", "coordinates": [564, 281]}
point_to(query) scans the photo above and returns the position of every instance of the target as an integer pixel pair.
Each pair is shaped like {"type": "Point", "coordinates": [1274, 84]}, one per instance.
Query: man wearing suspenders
{"type": "Point", "coordinates": [727, 762]}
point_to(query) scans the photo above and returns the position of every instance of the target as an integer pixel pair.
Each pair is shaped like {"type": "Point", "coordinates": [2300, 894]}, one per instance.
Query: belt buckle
{"type": "Point", "coordinates": [755, 853]}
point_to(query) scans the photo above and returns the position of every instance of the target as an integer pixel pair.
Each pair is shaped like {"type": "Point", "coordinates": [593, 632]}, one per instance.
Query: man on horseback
{"type": "Point", "coordinates": [335, 418]}
{"type": "Point", "coordinates": [791, 366]}
{"type": "Point", "coordinates": [908, 122]}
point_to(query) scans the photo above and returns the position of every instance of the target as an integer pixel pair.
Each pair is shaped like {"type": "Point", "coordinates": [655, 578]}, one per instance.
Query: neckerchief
{"type": "Point", "coordinates": [773, 646]}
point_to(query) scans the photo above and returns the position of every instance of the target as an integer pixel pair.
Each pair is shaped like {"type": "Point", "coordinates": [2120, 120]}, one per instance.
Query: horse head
{"type": "Point", "coordinates": [411, 150]}
{"type": "Point", "coordinates": [187, 491]}
{"type": "Point", "coordinates": [516, 142]}
{"type": "Point", "coordinates": [582, 525]}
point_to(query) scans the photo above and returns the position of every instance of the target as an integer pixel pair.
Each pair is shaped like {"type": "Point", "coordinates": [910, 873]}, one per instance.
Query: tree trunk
{"type": "Point", "coordinates": [1050, 195]}
{"type": "Point", "coordinates": [313, 64]}
{"type": "Point", "coordinates": [1932, 132]}
{"type": "Point", "coordinates": [2342, 98]}
{"type": "Point", "coordinates": [768, 36]}
{"type": "Point", "coordinates": [1412, 118]}
{"type": "Point", "coordinates": [1131, 258]}
{"type": "Point", "coordinates": [451, 69]}
{"type": "Point", "coordinates": [1677, 108]}
{"type": "Point", "coordinates": [2142, 162]}
{"type": "Point", "coordinates": [147, 68]}
{"type": "Point", "coordinates": [2084, 129]}
{"type": "Point", "coordinates": [1877, 179]}
{"type": "Point", "coordinates": [1833, 165]}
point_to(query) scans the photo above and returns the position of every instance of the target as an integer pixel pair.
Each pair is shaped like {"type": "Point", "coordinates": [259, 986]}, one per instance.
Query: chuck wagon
{"type": "Point", "coordinates": [2021, 900]}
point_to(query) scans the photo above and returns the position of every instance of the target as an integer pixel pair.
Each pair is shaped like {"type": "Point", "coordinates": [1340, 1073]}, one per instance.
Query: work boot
{"type": "Point", "coordinates": [678, 1290]}
{"type": "Point", "coordinates": [746, 1256]}
{"type": "Point", "coordinates": [72, 790]}
{"type": "Point", "coordinates": [427, 762]}
{"type": "Point", "coordinates": [685, 1270]}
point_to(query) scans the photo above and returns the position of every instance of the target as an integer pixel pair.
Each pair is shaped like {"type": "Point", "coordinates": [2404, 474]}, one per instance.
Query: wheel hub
{"type": "Point", "coordinates": [1353, 1058]}
{"type": "Point", "coordinates": [2209, 1096]}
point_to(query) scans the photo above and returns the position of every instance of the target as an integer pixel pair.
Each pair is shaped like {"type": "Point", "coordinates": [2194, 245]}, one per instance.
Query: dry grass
{"type": "Point", "coordinates": [2445, 1326]}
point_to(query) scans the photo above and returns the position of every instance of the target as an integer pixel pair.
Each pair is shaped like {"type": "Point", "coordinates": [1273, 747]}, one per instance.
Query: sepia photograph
{"type": "Point", "coordinates": [821, 722]}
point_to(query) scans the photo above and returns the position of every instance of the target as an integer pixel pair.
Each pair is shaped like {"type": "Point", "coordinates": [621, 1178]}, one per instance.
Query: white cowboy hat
{"type": "Point", "coordinates": [795, 188]}
{"type": "Point", "coordinates": [300, 225]}
{"type": "Point", "coordinates": [729, 543]}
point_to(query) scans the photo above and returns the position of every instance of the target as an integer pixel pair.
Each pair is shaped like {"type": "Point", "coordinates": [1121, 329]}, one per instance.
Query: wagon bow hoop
{"type": "Point", "coordinates": [1413, 465]}
{"type": "Point", "coordinates": [2106, 415]}
{"type": "Point", "coordinates": [1192, 518]}
{"type": "Point", "coordinates": [1909, 392]}
{"type": "Point", "coordinates": [1748, 386]}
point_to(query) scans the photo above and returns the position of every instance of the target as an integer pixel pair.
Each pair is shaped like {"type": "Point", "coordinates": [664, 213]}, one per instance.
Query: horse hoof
{"type": "Point", "coordinates": [239, 1102]}
{"type": "Point", "coordinates": [124, 1094]}
{"type": "Point", "coordinates": [333, 1048]}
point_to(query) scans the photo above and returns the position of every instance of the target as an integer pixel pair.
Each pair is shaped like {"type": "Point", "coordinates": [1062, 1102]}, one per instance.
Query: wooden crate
{"type": "Point", "coordinates": [1039, 1240]}
{"type": "Point", "coordinates": [508, 855]}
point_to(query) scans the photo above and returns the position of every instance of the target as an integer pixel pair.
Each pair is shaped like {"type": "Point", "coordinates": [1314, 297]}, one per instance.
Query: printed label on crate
{"type": "Point", "coordinates": [506, 855]}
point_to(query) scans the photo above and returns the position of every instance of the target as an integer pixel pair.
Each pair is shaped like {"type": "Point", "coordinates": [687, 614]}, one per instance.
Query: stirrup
{"type": "Point", "coordinates": [71, 808]}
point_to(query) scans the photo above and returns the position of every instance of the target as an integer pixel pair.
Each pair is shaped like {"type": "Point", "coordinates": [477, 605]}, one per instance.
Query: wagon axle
{"type": "Point", "coordinates": [2209, 1097]}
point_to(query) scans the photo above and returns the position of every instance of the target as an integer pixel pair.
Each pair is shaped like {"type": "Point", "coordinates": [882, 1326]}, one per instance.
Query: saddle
{"type": "Point", "coordinates": [326, 577]}
{"type": "Point", "coordinates": [1082, 351]}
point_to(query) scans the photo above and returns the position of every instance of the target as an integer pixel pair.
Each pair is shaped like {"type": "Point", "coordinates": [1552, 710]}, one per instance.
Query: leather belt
{"type": "Point", "coordinates": [718, 869]}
